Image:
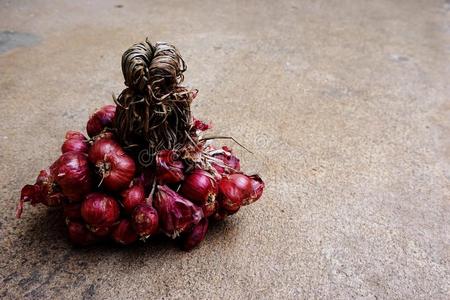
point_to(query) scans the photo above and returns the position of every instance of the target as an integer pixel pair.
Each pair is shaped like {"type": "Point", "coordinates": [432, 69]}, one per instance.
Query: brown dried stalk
{"type": "Point", "coordinates": [153, 112]}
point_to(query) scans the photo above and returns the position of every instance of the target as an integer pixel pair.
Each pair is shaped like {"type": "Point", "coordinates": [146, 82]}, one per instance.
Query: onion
{"type": "Point", "coordinates": [145, 220]}
{"type": "Point", "coordinates": [257, 189]}
{"type": "Point", "coordinates": [75, 141]}
{"type": "Point", "coordinates": [114, 166]}
{"type": "Point", "coordinates": [199, 187]}
{"type": "Point", "coordinates": [124, 233]}
{"type": "Point", "coordinates": [230, 162]}
{"type": "Point", "coordinates": [100, 211]}
{"type": "Point", "coordinates": [195, 235]}
{"type": "Point", "coordinates": [100, 120]}
{"type": "Point", "coordinates": [43, 191]}
{"type": "Point", "coordinates": [210, 208]}
{"type": "Point", "coordinates": [176, 214]}
{"type": "Point", "coordinates": [234, 190]}
{"type": "Point", "coordinates": [133, 196]}
{"type": "Point", "coordinates": [80, 235]}
{"type": "Point", "coordinates": [71, 172]}
{"type": "Point", "coordinates": [72, 211]}
{"type": "Point", "coordinates": [168, 169]}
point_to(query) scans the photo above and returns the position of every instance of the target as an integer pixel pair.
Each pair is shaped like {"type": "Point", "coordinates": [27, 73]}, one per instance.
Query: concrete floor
{"type": "Point", "coordinates": [346, 105]}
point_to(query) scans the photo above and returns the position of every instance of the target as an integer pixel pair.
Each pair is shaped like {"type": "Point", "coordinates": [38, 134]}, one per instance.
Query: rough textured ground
{"type": "Point", "coordinates": [345, 103]}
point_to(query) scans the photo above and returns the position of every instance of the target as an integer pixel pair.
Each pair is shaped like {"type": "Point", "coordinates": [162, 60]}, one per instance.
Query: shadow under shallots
{"type": "Point", "coordinates": [48, 231]}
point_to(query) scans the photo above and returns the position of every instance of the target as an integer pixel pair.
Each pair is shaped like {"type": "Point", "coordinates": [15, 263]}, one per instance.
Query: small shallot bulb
{"type": "Point", "coordinates": [100, 211]}
{"type": "Point", "coordinates": [133, 196]}
{"type": "Point", "coordinates": [44, 191]}
{"type": "Point", "coordinates": [234, 190]}
{"type": "Point", "coordinates": [176, 214]}
{"type": "Point", "coordinates": [210, 208]}
{"type": "Point", "coordinates": [75, 141]}
{"type": "Point", "coordinates": [72, 211]}
{"type": "Point", "coordinates": [145, 220]}
{"type": "Point", "coordinates": [194, 237]}
{"type": "Point", "coordinates": [124, 233]}
{"type": "Point", "coordinates": [80, 235]}
{"type": "Point", "coordinates": [101, 119]}
{"type": "Point", "coordinates": [200, 187]}
{"type": "Point", "coordinates": [257, 189]}
{"type": "Point", "coordinates": [72, 174]}
{"type": "Point", "coordinates": [168, 168]}
{"type": "Point", "coordinates": [115, 167]}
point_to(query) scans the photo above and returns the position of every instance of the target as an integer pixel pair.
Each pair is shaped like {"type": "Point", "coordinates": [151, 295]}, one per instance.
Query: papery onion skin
{"type": "Point", "coordinates": [80, 235]}
{"type": "Point", "coordinates": [100, 120]}
{"type": "Point", "coordinates": [168, 168]}
{"type": "Point", "coordinates": [75, 141]}
{"type": "Point", "coordinates": [116, 168]}
{"type": "Point", "coordinates": [100, 210]}
{"type": "Point", "coordinates": [133, 196]}
{"type": "Point", "coordinates": [176, 214]}
{"type": "Point", "coordinates": [200, 125]}
{"type": "Point", "coordinates": [145, 220]}
{"type": "Point", "coordinates": [230, 161]}
{"type": "Point", "coordinates": [72, 174]}
{"type": "Point", "coordinates": [195, 236]}
{"type": "Point", "coordinates": [200, 187]}
{"type": "Point", "coordinates": [124, 233]}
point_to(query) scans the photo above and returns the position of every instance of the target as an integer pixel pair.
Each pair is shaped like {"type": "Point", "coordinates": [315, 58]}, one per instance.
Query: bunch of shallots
{"type": "Point", "coordinates": [105, 193]}
{"type": "Point", "coordinates": [146, 166]}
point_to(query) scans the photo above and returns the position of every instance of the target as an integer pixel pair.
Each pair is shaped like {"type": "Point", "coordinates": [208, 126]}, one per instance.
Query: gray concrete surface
{"type": "Point", "coordinates": [346, 105]}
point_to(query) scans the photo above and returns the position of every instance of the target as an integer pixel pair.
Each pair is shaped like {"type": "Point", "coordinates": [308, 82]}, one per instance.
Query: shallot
{"type": "Point", "coordinates": [100, 210]}
{"type": "Point", "coordinates": [115, 167]}
{"type": "Point", "coordinates": [145, 220]}
{"type": "Point", "coordinates": [124, 233]}
{"type": "Point", "coordinates": [75, 141]}
{"type": "Point", "coordinates": [72, 174]}
{"type": "Point", "coordinates": [101, 119]}
{"type": "Point", "coordinates": [176, 214]}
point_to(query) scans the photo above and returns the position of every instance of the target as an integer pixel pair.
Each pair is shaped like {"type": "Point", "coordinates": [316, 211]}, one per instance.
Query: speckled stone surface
{"type": "Point", "coordinates": [346, 105]}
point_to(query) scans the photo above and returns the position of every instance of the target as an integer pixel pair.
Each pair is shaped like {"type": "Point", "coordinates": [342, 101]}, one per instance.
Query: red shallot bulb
{"type": "Point", "coordinates": [133, 196]}
{"type": "Point", "coordinates": [200, 187]}
{"type": "Point", "coordinates": [80, 235]}
{"type": "Point", "coordinates": [100, 120]}
{"type": "Point", "coordinates": [145, 220]}
{"type": "Point", "coordinates": [176, 214]}
{"type": "Point", "coordinates": [230, 163]}
{"type": "Point", "coordinates": [100, 211]}
{"type": "Point", "coordinates": [44, 191]}
{"type": "Point", "coordinates": [124, 233]}
{"type": "Point", "coordinates": [75, 141]}
{"type": "Point", "coordinates": [257, 189]}
{"type": "Point", "coordinates": [194, 237]}
{"type": "Point", "coordinates": [114, 166]}
{"type": "Point", "coordinates": [234, 189]}
{"type": "Point", "coordinates": [72, 211]}
{"type": "Point", "coordinates": [168, 168]}
{"type": "Point", "coordinates": [71, 173]}
{"type": "Point", "coordinates": [210, 208]}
